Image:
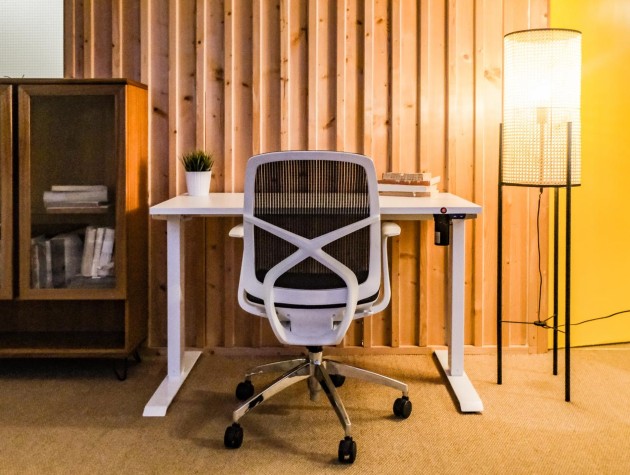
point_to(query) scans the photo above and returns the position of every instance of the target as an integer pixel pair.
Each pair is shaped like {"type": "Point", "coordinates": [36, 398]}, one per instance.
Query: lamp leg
{"type": "Point", "coordinates": [500, 263]}
{"type": "Point", "coordinates": [499, 291]}
{"type": "Point", "coordinates": [556, 232]}
{"type": "Point", "coordinates": [567, 335]}
{"type": "Point", "coordinates": [567, 302]}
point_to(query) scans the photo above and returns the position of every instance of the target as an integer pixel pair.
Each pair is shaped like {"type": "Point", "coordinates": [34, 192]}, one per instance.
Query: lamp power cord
{"type": "Point", "coordinates": [543, 323]}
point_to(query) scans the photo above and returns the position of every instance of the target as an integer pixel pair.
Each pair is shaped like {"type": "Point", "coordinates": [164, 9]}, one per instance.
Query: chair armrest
{"type": "Point", "coordinates": [389, 229]}
{"type": "Point", "coordinates": [237, 231]}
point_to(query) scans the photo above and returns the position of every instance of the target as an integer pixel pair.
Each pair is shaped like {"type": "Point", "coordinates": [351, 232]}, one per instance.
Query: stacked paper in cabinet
{"type": "Point", "coordinates": [41, 263]}
{"type": "Point", "coordinates": [66, 256]}
{"type": "Point", "coordinates": [88, 251]}
{"type": "Point", "coordinates": [98, 246]}
{"type": "Point", "coordinates": [98, 250]}
{"type": "Point", "coordinates": [75, 196]}
{"type": "Point", "coordinates": [55, 261]}
{"type": "Point", "coordinates": [106, 264]}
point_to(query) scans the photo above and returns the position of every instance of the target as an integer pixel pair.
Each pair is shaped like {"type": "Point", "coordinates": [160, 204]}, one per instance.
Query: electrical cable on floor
{"type": "Point", "coordinates": [543, 323]}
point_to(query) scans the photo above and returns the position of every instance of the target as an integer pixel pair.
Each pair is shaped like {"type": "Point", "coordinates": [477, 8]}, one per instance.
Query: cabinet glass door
{"type": "Point", "coordinates": [6, 198]}
{"type": "Point", "coordinates": [69, 167]}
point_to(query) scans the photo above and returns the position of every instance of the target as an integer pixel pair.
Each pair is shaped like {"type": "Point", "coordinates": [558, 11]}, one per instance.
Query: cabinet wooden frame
{"type": "Point", "coordinates": [26, 95]}
{"type": "Point", "coordinates": [6, 193]}
{"type": "Point", "coordinates": [109, 321]}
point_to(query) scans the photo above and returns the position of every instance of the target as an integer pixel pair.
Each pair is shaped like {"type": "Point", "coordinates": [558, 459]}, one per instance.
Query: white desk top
{"type": "Point", "coordinates": [394, 207]}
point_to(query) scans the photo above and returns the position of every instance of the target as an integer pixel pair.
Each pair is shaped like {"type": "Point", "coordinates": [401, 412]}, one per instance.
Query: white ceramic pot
{"type": "Point", "coordinates": [198, 183]}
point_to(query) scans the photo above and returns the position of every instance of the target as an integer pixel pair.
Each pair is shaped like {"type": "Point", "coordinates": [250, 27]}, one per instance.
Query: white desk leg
{"type": "Point", "coordinates": [452, 360]}
{"type": "Point", "coordinates": [180, 362]}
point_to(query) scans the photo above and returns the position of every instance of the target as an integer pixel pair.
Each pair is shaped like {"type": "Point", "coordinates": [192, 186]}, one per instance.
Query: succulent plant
{"type": "Point", "coordinates": [197, 161]}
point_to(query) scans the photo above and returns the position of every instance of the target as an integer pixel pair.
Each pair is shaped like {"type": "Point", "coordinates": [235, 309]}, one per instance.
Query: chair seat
{"type": "Point", "coordinates": [257, 300]}
{"type": "Point", "coordinates": [312, 281]}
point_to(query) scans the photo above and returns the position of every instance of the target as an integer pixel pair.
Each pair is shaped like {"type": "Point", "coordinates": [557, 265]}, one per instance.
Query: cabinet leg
{"type": "Point", "coordinates": [121, 366]}
{"type": "Point", "coordinates": [121, 373]}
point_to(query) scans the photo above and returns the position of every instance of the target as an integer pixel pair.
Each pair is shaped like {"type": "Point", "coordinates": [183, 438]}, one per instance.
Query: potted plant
{"type": "Point", "coordinates": [198, 166]}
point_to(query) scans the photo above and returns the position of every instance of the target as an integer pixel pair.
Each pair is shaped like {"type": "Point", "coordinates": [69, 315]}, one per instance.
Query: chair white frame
{"type": "Point", "coordinates": [306, 326]}
{"type": "Point", "coordinates": [317, 325]}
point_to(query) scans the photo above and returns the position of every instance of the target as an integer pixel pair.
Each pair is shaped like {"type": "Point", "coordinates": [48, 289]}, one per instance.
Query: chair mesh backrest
{"type": "Point", "coordinates": [311, 198]}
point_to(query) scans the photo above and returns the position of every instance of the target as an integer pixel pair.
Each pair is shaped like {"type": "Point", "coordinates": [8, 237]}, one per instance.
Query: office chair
{"type": "Point", "coordinates": [313, 252]}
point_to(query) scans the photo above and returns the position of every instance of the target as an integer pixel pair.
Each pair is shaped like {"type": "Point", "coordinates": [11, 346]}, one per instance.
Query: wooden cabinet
{"type": "Point", "coordinates": [74, 165]}
{"type": "Point", "coordinates": [6, 192]}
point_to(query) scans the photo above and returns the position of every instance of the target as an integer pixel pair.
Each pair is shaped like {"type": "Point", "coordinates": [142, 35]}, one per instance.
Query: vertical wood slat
{"type": "Point", "coordinates": [349, 123]}
{"type": "Point", "coordinates": [126, 39]}
{"type": "Point", "coordinates": [182, 125]}
{"type": "Point", "coordinates": [266, 83]}
{"type": "Point", "coordinates": [266, 96]}
{"type": "Point", "coordinates": [73, 38]}
{"type": "Point", "coordinates": [348, 114]}
{"type": "Point", "coordinates": [398, 279]}
{"type": "Point", "coordinates": [154, 54]}
{"type": "Point", "coordinates": [321, 79]}
{"type": "Point", "coordinates": [377, 329]}
{"type": "Point", "coordinates": [294, 75]}
{"type": "Point", "coordinates": [432, 158]}
{"type": "Point", "coordinates": [537, 338]}
{"type": "Point", "coordinates": [97, 39]}
{"type": "Point", "coordinates": [405, 138]}
{"type": "Point", "coordinates": [514, 205]}
{"type": "Point", "coordinates": [519, 232]}
{"type": "Point", "coordinates": [229, 317]}
{"type": "Point", "coordinates": [238, 143]}
{"type": "Point", "coordinates": [210, 136]}
{"type": "Point", "coordinates": [413, 84]}
{"type": "Point", "coordinates": [488, 65]}
{"type": "Point", "coordinates": [460, 117]}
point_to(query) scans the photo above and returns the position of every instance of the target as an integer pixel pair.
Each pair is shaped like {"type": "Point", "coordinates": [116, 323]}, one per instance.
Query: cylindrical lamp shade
{"type": "Point", "coordinates": [541, 96]}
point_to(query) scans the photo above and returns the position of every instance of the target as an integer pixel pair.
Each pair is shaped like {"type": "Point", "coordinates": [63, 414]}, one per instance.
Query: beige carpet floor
{"type": "Point", "coordinates": [75, 417]}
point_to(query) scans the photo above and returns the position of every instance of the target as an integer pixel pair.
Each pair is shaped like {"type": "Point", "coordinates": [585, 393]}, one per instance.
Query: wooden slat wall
{"type": "Point", "coordinates": [416, 85]}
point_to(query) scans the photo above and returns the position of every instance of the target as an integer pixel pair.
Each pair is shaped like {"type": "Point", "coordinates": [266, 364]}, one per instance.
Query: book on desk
{"type": "Point", "coordinates": [408, 184]}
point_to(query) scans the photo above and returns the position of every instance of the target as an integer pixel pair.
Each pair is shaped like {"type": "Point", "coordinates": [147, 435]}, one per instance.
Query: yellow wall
{"type": "Point", "coordinates": [601, 206]}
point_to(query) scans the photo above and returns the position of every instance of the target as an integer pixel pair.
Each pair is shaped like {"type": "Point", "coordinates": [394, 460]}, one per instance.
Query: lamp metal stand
{"type": "Point", "coordinates": [567, 303]}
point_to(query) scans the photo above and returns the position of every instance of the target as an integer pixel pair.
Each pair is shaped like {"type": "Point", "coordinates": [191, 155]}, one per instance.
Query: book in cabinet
{"type": "Point", "coordinates": [78, 150]}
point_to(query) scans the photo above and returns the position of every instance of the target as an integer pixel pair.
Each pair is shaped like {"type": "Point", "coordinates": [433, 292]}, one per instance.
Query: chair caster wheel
{"type": "Point", "coordinates": [244, 390]}
{"type": "Point", "coordinates": [347, 450]}
{"type": "Point", "coordinates": [233, 437]}
{"type": "Point", "coordinates": [402, 407]}
{"type": "Point", "coordinates": [337, 380]}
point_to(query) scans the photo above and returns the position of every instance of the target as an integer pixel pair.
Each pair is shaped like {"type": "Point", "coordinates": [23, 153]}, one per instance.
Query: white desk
{"type": "Point", "coordinates": [181, 361]}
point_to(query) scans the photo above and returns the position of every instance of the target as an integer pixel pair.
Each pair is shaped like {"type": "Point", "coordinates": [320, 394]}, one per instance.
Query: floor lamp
{"type": "Point", "coordinates": [539, 146]}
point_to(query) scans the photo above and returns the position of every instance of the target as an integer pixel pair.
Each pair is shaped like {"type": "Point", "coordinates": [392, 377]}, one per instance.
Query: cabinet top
{"type": "Point", "coordinates": [105, 81]}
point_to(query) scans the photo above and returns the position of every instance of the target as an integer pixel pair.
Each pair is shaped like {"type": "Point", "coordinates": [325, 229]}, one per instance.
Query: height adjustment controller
{"type": "Point", "coordinates": [443, 225]}
{"type": "Point", "coordinates": [442, 231]}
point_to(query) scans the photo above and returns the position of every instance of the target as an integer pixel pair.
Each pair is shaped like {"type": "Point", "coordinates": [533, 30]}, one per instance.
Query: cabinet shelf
{"type": "Point", "coordinates": [68, 343]}
{"type": "Point", "coordinates": [103, 209]}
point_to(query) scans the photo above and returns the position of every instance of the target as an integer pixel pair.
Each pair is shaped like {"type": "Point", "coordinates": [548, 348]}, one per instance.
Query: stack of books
{"type": "Point", "coordinates": [408, 184]}
{"type": "Point", "coordinates": [98, 252]}
{"type": "Point", "coordinates": [68, 260]}
{"type": "Point", "coordinates": [55, 261]}
{"type": "Point", "coordinates": [76, 199]}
